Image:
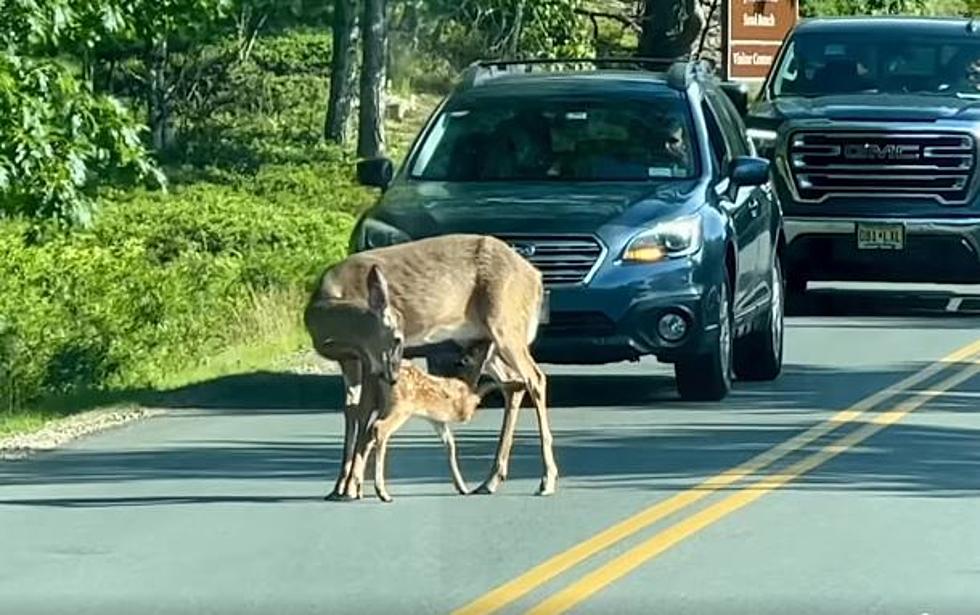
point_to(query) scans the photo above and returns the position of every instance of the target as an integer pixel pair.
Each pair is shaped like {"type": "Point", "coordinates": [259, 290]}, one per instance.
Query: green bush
{"type": "Point", "coordinates": [295, 52]}
{"type": "Point", "coordinates": [269, 119]}
{"type": "Point", "coordinates": [161, 282]}
{"type": "Point", "coordinates": [319, 185]}
{"type": "Point", "coordinates": [153, 287]}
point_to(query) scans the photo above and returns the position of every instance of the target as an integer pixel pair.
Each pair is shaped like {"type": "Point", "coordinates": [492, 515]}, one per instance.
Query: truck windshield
{"type": "Point", "coordinates": [821, 65]}
{"type": "Point", "coordinates": [547, 139]}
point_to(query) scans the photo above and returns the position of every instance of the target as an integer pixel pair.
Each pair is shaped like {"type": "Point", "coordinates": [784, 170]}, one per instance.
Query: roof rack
{"type": "Point", "coordinates": [681, 72]}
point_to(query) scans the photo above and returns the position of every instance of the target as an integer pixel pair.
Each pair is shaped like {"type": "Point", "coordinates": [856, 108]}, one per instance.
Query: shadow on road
{"type": "Point", "coordinates": [626, 453]}
{"type": "Point", "coordinates": [655, 452]}
{"type": "Point", "coordinates": [928, 305]}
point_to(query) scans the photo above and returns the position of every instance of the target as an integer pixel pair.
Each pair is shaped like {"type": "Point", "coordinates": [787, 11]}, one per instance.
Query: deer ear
{"type": "Point", "coordinates": [377, 287]}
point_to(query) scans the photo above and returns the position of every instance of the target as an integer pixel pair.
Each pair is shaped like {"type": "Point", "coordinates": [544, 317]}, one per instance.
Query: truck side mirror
{"type": "Point", "coordinates": [738, 93]}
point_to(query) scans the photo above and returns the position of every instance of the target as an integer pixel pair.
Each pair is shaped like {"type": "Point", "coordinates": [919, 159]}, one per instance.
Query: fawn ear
{"type": "Point", "coordinates": [377, 286]}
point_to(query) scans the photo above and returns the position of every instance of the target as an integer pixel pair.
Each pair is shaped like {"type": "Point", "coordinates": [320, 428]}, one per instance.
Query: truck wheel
{"type": "Point", "coordinates": [759, 355]}
{"type": "Point", "coordinates": [708, 377]}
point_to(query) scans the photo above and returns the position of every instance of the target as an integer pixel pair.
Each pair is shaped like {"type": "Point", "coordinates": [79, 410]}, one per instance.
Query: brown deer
{"type": "Point", "coordinates": [462, 288]}
{"type": "Point", "coordinates": [440, 400]}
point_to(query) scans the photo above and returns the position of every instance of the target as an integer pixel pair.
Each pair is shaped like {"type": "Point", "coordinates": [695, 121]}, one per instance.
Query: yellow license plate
{"type": "Point", "coordinates": [881, 236]}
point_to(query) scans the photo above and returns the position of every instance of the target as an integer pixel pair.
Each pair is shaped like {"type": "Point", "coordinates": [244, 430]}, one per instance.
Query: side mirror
{"type": "Point", "coordinates": [375, 172]}
{"type": "Point", "coordinates": [738, 93]}
{"type": "Point", "coordinates": [749, 171]}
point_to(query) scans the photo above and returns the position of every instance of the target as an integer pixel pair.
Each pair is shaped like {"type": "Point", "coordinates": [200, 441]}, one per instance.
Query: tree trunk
{"type": "Point", "coordinates": [514, 44]}
{"type": "Point", "coordinates": [158, 103]}
{"type": "Point", "coordinates": [669, 28]}
{"type": "Point", "coordinates": [374, 37]}
{"type": "Point", "coordinates": [342, 71]}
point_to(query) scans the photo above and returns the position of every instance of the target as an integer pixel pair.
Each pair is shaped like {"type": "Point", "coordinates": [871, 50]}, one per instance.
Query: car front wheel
{"type": "Point", "coordinates": [708, 377]}
{"type": "Point", "coordinates": [759, 355]}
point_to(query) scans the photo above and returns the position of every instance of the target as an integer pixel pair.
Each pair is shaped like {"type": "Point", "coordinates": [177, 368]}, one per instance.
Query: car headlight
{"type": "Point", "coordinates": [377, 234]}
{"type": "Point", "coordinates": [763, 138]}
{"type": "Point", "coordinates": [672, 239]}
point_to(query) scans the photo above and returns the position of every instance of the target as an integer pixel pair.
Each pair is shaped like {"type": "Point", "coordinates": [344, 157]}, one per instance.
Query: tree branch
{"type": "Point", "coordinates": [706, 27]}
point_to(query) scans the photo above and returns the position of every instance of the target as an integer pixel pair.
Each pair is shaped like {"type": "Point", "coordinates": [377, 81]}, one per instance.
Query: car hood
{"type": "Point", "coordinates": [868, 107]}
{"type": "Point", "coordinates": [430, 208]}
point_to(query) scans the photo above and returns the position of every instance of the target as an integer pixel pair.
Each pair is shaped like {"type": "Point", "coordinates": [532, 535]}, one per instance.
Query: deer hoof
{"type": "Point", "coordinates": [486, 488]}
{"type": "Point", "coordinates": [545, 490]}
{"type": "Point", "coordinates": [339, 497]}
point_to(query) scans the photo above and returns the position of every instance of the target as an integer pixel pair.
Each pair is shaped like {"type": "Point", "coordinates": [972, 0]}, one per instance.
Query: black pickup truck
{"type": "Point", "coordinates": [872, 125]}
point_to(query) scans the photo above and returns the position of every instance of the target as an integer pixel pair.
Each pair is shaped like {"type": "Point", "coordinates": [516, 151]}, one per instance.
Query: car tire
{"type": "Point", "coordinates": [759, 355]}
{"type": "Point", "coordinates": [708, 377]}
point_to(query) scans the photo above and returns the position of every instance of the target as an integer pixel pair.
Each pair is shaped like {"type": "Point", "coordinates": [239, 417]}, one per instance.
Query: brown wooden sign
{"type": "Point", "coordinates": [753, 33]}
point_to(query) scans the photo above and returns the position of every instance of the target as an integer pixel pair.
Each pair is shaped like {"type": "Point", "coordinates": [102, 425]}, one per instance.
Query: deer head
{"type": "Point", "coordinates": [385, 355]}
{"type": "Point", "coordinates": [347, 329]}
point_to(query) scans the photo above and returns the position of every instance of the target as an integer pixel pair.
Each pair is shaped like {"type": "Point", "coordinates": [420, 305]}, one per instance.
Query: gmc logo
{"type": "Point", "coordinates": [872, 151]}
{"type": "Point", "coordinates": [526, 250]}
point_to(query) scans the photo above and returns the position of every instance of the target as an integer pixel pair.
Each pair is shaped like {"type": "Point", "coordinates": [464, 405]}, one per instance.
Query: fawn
{"type": "Point", "coordinates": [440, 400]}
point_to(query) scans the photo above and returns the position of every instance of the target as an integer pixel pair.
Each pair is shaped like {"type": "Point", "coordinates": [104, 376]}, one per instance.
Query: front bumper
{"type": "Point", "coordinates": [615, 317]}
{"type": "Point", "coordinates": [936, 250]}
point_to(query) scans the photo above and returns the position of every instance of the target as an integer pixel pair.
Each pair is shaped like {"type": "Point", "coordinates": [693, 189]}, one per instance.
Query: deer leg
{"type": "Point", "coordinates": [376, 403]}
{"type": "Point", "coordinates": [446, 434]}
{"type": "Point", "coordinates": [501, 372]}
{"type": "Point", "coordinates": [365, 443]}
{"type": "Point", "coordinates": [350, 435]}
{"type": "Point", "coordinates": [354, 487]}
{"type": "Point", "coordinates": [499, 472]}
{"type": "Point", "coordinates": [538, 393]}
{"type": "Point", "coordinates": [518, 358]}
{"type": "Point", "coordinates": [351, 371]}
{"type": "Point", "coordinates": [383, 431]}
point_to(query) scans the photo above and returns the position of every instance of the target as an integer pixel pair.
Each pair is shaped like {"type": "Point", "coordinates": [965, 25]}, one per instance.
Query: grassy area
{"type": "Point", "coordinates": [237, 359]}
{"type": "Point", "coordinates": [272, 330]}
{"type": "Point", "coordinates": [210, 278]}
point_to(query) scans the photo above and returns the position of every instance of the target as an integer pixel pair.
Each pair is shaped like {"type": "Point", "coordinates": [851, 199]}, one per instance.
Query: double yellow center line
{"type": "Point", "coordinates": [620, 566]}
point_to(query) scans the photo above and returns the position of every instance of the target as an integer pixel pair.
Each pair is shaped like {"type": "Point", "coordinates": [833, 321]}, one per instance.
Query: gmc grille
{"type": "Point", "coordinates": [874, 164]}
{"type": "Point", "coordinates": [562, 259]}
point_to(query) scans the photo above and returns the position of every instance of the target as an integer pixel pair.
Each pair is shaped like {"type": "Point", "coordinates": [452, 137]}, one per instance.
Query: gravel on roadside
{"type": "Point", "coordinates": [61, 431]}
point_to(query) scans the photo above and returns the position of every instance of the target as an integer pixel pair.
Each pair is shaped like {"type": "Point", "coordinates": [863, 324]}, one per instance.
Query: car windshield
{"type": "Point", "coordinates": [559, 140]}
{"type": "Point", "coordinates": [820, 65]}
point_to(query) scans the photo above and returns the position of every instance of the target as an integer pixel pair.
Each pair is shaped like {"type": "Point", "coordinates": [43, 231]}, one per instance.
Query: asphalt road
{"type": "Point", "coordinates": [771, 502]}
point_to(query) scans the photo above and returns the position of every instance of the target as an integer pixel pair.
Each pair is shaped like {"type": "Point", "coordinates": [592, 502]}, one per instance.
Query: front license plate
{"type": "Point", "coordinates": [545, 308]}
{"type": "Point", "coordinates": [881, 236]}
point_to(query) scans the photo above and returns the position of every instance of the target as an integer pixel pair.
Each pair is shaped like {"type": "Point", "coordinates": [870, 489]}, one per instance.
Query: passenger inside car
{"type": "Point", "coordinates": [573, 142]}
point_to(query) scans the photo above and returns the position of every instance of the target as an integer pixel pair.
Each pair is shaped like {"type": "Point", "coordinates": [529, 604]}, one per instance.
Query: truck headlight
{"type": "Point", "coordinates": [672, 239]}
{"type": "Point", "coordinates": [377, 234]}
